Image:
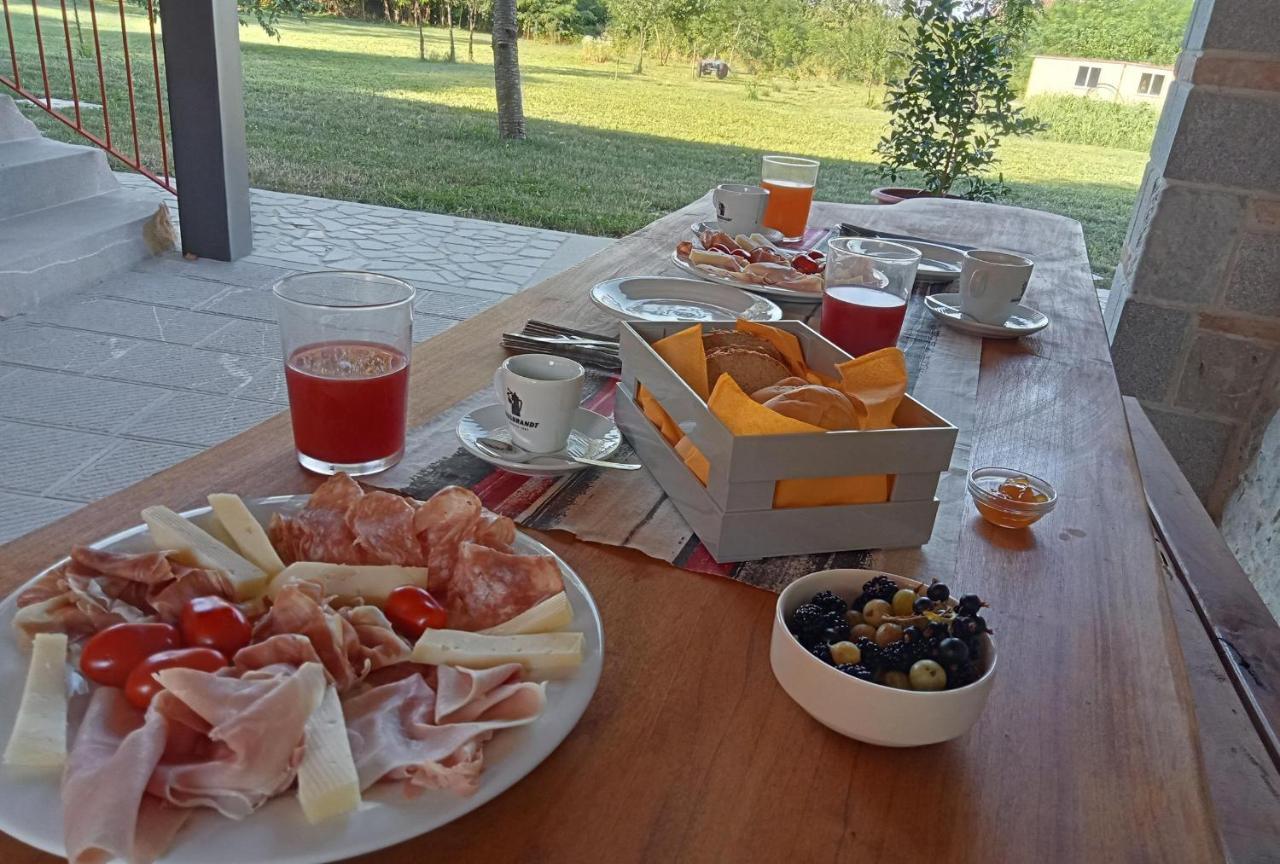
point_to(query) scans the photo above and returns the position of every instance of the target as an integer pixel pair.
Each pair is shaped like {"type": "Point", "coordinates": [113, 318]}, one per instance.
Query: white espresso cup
{"type": "Point", "coordinates": [539, 394]}
{"type": "Point", "coordinates": [992, 284]}
{"type": "Point", "coordinates": [740, 208]}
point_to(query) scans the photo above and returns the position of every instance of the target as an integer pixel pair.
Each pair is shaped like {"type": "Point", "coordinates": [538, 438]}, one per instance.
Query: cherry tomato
{"type": "Point", "coordinates": [815, 255]}
{"type": "Point", "coordinates": [211, 622]}
{"type": "Point", "coordinates": [142, 685]}
{"type": "Point", "coordinates": [412, 610]}
{"type": "Point", "coordinates": [112, 654]}
{"type": "Point", "coordinates": [805, 264]}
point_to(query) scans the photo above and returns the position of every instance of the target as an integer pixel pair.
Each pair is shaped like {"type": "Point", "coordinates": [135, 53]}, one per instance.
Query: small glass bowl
{"type": "Point", "coordinates": [1007, 512]}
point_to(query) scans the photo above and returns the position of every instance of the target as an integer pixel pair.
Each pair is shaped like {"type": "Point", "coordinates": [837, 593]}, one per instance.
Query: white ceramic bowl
{"type": "Point", "coordinates": [860, 709]}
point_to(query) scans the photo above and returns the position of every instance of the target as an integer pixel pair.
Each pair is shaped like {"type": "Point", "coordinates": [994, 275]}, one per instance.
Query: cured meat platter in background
{"type": "Point", "coordinates": [31, 806]}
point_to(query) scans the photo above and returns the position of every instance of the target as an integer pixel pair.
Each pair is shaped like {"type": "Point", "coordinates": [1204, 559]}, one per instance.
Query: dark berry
{"type": "Point", "coordinates": [830, 603]}
{"type": "Point", "coordinates": [969, 604]}
{"type": "Point", "coordinates": [922, 605]}
{"type": "Point", "coordinates": [871, 652]}
{"type": "Point", "coordinates": [961, 675]}
{"type": "Point", "coordinates": [980, 623]}
{"type": "Point", "coordinates": [857, 670]}
{"type": "Point", "coordinates": [964, 627]}
{"type": "Point", "coordinates": [807, 617]}
{"type": "Point", "coordinates": [837, 629]}
{"type": "Point", "coordinates": [880, 588]}
{"type": "Point", "coordinates": [911, 633]}
{"type": "Point", "coordinates": [938, 592]}
{"type": "Point", "coordinates": [896, 656]}
{"type": "Point", "coordinates": [952, 651]}
{"type": "Point", "coordinates": [822, 651]}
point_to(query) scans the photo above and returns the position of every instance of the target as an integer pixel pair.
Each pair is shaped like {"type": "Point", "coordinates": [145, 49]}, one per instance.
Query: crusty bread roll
{"type": "Point", "coordinates": [752, 370]}
{"type": "Point", "coordinates": [786, 385]}
{"type": "Point", "coordinates": [713, 339]}
{"type": "Point", "coordinates": [817, 405]}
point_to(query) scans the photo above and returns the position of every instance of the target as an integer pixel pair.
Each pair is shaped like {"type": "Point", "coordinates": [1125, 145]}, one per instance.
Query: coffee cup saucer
{"type": "Point", "coordinates": [1024, 320]}
{"type": "Point", "coordinates": [592, 437]}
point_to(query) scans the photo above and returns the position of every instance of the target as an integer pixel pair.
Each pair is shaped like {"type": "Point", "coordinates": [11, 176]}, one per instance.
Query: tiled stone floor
{"type": "Point", "coordinates": [106, 386]}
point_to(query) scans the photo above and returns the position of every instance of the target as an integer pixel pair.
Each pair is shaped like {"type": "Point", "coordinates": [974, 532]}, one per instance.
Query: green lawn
{"type": "Point", "coordinates": [346, 110]}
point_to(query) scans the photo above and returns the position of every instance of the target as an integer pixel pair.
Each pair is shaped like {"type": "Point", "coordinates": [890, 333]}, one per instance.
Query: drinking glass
{"type": "Point", "coordinates": [790, 181]}
{"type": "Point", "coordinates": [347, 337]}
{"type": "Point", "coordinates": [865, 301]}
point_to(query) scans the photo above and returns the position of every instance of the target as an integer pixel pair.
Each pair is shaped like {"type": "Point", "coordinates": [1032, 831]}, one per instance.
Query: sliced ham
{"type": "Point", "coordinates": [291, 648]}
{"type": "Point", "coordinates": [405, 731]}
{"type": "Point", "coordinates": [300, 609]}
{"type": "Point", "coordinates": [490, 586]}
{"type": "Point", "coordinates": [256, 724]}
{"type": "Point", "coordinates": [188, 583]}
{"type": "Point", "coordinates": [116, 750]}
{"type": "Point", "coordinates": [379, 644]}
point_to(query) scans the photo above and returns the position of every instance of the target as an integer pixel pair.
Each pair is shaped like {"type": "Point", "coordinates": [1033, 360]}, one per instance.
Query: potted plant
{"type": "Point", "coordinates": [952, 104]}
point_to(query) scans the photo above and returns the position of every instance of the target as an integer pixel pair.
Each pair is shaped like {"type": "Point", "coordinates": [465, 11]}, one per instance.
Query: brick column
{"type": "Point", "coordinates": [1194, 312]}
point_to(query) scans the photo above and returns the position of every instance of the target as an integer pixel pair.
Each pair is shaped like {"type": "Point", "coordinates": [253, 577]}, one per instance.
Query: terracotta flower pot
{"type": "Point", "coordinates": [894, 194]}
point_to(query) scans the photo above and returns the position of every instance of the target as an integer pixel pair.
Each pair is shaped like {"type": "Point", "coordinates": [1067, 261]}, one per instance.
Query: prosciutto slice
{"type": "Point", "coordinates": [117, 750]}
{"type": "Point", "coordinates": [434, 739]}
{"type": "Point", "coordinates": [255, 723]}
{"type": "Point", "coordinates": [490, 586]}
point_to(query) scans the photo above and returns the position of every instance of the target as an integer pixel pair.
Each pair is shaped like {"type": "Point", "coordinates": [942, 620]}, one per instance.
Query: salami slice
{"type": "Point", "coordinates": [490, 586]}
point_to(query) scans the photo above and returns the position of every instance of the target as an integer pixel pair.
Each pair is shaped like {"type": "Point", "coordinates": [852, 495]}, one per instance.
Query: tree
{"type": "Point", "coordinates": [506, 70]}
{"type": "Point", "coordinates": [1140, 31]}
{"type": "Point", "coordinates": [954, 102]}
{"type": "Point", "coordinates": [448, 16]}
{"type": "Point", "coordinates": [639, 19]}
{"type": "Point", "coordinates": [474, 9]}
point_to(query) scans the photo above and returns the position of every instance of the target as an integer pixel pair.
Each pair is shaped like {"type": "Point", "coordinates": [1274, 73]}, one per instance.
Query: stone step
{"type": "Point", "coordinates": [36, 173]}
{"type": "Point", "coordinates": [61, 249]}
{"type": "Point", "coordinates": [14, 126]}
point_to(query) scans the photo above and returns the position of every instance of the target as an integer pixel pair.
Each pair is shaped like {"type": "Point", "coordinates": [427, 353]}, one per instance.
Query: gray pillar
{"type": "Point", "coordinates": [206, 112]}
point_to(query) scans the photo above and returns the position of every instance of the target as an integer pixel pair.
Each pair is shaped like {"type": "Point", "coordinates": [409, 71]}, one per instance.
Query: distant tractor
{"type": "Point", "coordinates": [718, 68]}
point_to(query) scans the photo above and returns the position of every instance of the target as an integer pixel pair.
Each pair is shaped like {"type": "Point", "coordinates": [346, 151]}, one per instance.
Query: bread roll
{"type": "Point", "coordinates": [713, 339]}
{"type": "Point", "coordinates": [752, 370]}
{"type": "Point", "coordinates": [786, 385]}
{"type": "Point", "coordinates": [817, 405]}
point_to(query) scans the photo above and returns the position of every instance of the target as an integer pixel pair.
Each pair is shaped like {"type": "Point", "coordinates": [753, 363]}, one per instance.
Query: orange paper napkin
{"type": "Point", "coordinates": [875, 383]}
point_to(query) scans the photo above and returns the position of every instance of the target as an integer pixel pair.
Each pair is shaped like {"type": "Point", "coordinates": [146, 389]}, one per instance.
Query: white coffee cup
{"type": "Point", "coordinates": [740, 208]}
{"type": "Point", "coordinates": [992, 284]}
{"type": "Point", "coordinates": [539, 394]}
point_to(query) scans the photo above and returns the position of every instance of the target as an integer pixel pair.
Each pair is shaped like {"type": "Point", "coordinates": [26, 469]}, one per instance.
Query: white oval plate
{"type": "Point", "coordinates": [773, 291]}
{"type": "Point", "coordinates": [31, 807]}
{"type": "Point", "coordinates": [773, 235]}
{"type": "Point", "coordinates": [667, 298]}
{"type": "Point", "coordinates": [938, 264]}
{"type": "Point", "coordinates": [1024, 321]}
{"type": "Point", "coordinates": [592, 436]}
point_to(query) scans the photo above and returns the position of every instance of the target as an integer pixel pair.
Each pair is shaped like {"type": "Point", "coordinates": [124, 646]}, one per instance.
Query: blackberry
{"type": "Point", "coordinates": [857, 670]}
{"type": "Point", "coordinates": [871, 653]}
{"type": "Point", "coordinates": [962, 675]}
{"type": "Point", "coordinates": [896, 657]}
{"type": "Point", "coordinates": [822, 651]}
{"type": "Point", "coordinates": [836, 629]}
{"type": "Point", "coordinates": [807, 617]}
{"type": "Point", "coordinates": [880, 588]}
{"type": "Point", "coordinates": [830, 603]}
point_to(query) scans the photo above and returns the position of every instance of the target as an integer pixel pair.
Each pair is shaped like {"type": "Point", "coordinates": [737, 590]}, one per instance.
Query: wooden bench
{"type": "Point", "coordinates": [1231, 644]}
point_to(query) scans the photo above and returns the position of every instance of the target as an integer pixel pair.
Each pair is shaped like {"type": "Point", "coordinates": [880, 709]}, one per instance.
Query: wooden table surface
{"type": "Point", "coordinates": [691, 752]}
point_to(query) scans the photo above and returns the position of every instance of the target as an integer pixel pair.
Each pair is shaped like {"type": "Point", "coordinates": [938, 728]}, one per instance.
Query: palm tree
{"type": "Point", "coordinates": [506, 70]}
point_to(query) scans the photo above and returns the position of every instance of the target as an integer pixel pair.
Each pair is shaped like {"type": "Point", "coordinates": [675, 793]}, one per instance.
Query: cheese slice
{"type": "Point", "coordinates": [373, 582]}
{"type": "Point", "coordinates": [196, 547]}
{"type": "Point", "coordinates": [246, 532]}
{"type": "Point", "coordinates": [554, 613]}
{"type": "Point", "coordinates": [39, 738]}
{"type": "Point", "coordinates": [538, 653]}
{"type": "Point", "coordinates": [327, 782]}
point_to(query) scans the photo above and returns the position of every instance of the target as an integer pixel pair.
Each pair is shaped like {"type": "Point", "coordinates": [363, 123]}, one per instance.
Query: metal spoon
{"type": "Point", "coordinates": [514, 453]}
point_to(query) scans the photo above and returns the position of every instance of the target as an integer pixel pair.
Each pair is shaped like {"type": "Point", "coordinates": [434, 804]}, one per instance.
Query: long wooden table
{"type": "Point", "coordinates": [690, 751]}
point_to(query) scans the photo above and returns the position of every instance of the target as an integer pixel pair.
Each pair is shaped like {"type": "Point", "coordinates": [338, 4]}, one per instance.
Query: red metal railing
{"type": "Point", "coordinates": [100, 134]}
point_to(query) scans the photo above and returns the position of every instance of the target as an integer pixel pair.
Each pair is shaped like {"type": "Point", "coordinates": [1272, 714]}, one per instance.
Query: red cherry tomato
{"type": "Point", "coordinates": [142, 685]}
{"type": "Point", "coordinates": [805, 264]}
{"type": "Point", "coordinates": [211, 622]}
{"type": "Point", "coordinates": [412, 610]}
{"type": "Point", "coordinates": [815, 255]}
{"type": "Point", "coordinates": [112, 654]}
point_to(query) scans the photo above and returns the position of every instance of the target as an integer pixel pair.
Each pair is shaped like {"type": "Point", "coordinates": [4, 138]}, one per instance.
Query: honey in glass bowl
{"type": "Point", "coordinates": [1009, 498]}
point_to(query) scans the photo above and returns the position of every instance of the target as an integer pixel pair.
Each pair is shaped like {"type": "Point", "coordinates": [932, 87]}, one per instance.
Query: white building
{"type": "Point", "coordinates": [1115, 80]}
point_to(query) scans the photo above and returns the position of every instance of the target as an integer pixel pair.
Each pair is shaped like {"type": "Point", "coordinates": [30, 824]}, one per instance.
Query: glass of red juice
{"type": "Point", "coordinates": [347, 337]}
{"type": "Point", "coordinates": [865, 301]}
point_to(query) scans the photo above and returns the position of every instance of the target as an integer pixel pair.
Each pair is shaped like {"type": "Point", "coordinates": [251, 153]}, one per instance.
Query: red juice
{"type": "Point", "coordinates": [861, 319]}
{"type": "Point", "coordinates": [348, 401]}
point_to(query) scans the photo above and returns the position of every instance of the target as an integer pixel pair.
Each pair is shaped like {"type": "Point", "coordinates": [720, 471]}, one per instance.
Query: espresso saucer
{"type": "Point", "coordinates": [1024, 321]}
{"type": "Point", "coordinates": [592, 437]}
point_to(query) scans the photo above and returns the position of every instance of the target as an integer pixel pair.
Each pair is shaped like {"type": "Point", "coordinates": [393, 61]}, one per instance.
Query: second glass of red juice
{"type": "Point", "coordinates": [347, 337]}
{"type": "Point", "coordinates": [865, 301]}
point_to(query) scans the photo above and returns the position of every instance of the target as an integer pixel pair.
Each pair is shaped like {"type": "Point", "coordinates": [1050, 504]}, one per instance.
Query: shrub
{"type": "Point", "coordinates": [597, 49]}
{"type": "Point", "coordinates": [1080, 120]}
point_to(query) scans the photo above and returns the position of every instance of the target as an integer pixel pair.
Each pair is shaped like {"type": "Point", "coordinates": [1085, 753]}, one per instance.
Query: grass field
{"type": "Point", "coordinates": [345, 110]}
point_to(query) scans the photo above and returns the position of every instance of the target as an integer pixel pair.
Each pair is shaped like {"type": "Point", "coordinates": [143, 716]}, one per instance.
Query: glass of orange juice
{"type": "Point", "coordinates": [790, 181]}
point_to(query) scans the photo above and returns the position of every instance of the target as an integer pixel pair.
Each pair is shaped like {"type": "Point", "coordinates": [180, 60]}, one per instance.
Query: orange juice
{"type": "Point", "coordinates": [788, 207]}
